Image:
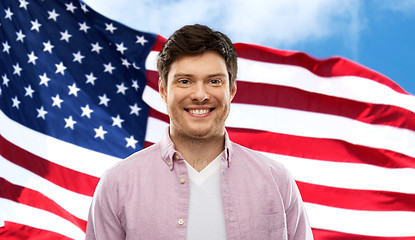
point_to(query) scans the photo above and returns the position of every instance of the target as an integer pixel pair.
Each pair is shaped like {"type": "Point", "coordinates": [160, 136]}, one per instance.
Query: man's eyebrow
{"type": "Point", "coordinates": [182, 75]}
{"type": "Point", "coordinates": [217, 75]}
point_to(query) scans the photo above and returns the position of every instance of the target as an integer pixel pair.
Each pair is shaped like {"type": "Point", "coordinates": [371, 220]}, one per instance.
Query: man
{"type": "Point", "coordinates": [195, 183]}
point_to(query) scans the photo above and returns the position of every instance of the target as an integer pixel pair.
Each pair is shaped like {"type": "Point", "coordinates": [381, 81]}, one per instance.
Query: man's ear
{"type": "Point", "coordinates": [162, 90]}
{"type": "Point", "coordinates": [233, 91]}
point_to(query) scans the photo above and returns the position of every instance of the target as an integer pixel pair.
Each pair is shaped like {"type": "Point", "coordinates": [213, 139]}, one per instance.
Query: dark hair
{"type": "Point", "coordinates": [193, 40]}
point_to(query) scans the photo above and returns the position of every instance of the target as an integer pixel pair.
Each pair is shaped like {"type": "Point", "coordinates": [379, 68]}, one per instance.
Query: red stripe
{"type": "Point", "coordinates": [331, 67]}
{"type": "Point", "coordinates": [294, 98]}
{"type": "Point", "coordinates": [158, 44]}
{"type": "Point", "coordinates": [318, 148]}
{"type": "Point", "coordinates": [35, 199]}
{"type": "Point", "coordinates": [156, 114]}
{"type": "Point", "coordinates": [332, 235]}
{"type": "Point", "coordinates": [368, 200]}
{"type": "Point", "coordinates": [15, 231]}
{"type": "Point", "coordinates": [67, 178]}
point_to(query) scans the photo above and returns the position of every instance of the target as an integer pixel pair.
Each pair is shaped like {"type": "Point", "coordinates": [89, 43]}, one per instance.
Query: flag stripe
{"type": "Point", "coordinates": [348, 175]}
{"type": "Point", "coordinates": [355, 88]}
{"type": "Point", "coordinates": [35, 199]}
{"type": "Point", "coordinates": [293, 98]}
{"type": "Point", "coordinates": [334, 66]}
{"type": "Point", "coordinates": [266, 118]}
{"type": "Point", "coordinates": [333, 235]}
{"type": "Point", "coordinates": [356, 199]}
{"type": "Point", "coordinates": [371, 223]}
{"type": "Point", "coordinates": [54, 150]}
{"type": "Point", "coordinates": [318, 148]}
{"type": "Point", "coordinates": [80, 183]}
{"type": "Point", "coordinates": [37, 218]}
{"type": "Point", "coordinates": [15, 231]}
{"type": "Point", "coordinates": [78, 204]}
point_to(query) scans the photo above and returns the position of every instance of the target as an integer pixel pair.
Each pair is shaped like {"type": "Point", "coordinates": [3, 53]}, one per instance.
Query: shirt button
{"type": "Point", "coordinates": [182, 180]}
{"type": "Point", "coordinates": [177, 156]}
{"type": "Point", "coordinates": [170, 163]}
{"type": "Point", "coordinates": [180, 222]}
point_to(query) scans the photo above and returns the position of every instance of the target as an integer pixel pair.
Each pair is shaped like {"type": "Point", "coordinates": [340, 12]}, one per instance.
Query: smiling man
{"type": "Point", "coordinates": [195, 183]}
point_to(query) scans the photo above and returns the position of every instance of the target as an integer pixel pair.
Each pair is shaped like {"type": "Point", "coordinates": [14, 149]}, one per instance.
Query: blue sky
{"type": "Point", "coordinates": [377, 34]}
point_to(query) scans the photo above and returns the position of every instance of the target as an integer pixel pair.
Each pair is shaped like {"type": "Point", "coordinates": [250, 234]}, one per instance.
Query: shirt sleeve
{"type": "Point", "coordinates": [103, 219]}
{"type": "Point", "coordinates": [298, 227]}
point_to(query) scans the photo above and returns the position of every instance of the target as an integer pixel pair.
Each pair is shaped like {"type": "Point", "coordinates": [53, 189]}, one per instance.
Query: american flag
{"type": "Point", "coordinates": [79, 92]}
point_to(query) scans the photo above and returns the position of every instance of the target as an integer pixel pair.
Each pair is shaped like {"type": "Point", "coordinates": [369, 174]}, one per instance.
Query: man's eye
{"type": "Point", "coordinates": [215, 81]}
{"type": "Point", "coordinates": [184, 81]}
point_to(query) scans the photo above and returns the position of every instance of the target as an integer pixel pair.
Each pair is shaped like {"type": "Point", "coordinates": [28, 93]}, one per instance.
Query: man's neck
{"type": "Point", "coordinates": [199, 152]}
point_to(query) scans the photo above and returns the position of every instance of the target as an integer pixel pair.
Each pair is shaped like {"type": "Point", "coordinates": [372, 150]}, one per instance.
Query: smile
{"type": "Point", "coordinates": [199, 111]}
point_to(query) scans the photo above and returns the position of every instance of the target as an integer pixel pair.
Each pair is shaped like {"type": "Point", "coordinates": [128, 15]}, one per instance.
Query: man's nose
{"type": "Point", "coordinates": [199, 92]}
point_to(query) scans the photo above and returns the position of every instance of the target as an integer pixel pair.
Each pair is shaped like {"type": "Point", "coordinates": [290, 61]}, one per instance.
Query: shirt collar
{"type": "Point", "coordinates": [170, 155]}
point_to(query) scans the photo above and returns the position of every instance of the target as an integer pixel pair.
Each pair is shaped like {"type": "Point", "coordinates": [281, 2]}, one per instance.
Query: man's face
{"type": "Point", "coordinates": [198, 95]}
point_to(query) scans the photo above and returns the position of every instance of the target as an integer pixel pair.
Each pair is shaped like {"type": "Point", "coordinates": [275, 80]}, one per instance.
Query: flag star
{"type": "Point", "coordinates": [135, 109]}
{"type": "Point", "coordinates": [57, 101]}
{"type": "Point", "coordinates": [23, 4]}
{"type": "Point", "coordinates": [41, 113]}
{"type": "Point", "coordinates": [65, 36]}
{"type": "Point", "coordinates": [83, 27]}
{"type": "Point", "coordinates": [70, 7]}
{"type": "Point", "coordinates": [121, 88]}
{"type": "Point", "coordinates": [73, 90]}
{"type": "Point", "coordinates": [44, 79]}
{"type": "Point", "coordinates": [16, 102]}
{"type": "Point", "coordinates": [141, 40]}
{"type": "Point", "coordinates": [17, 69]}
{"type": "Point", "coordinates": [86, 111]}
{"type": "Point", "coordinates": [96, 47]}
{"type": "Point", "coordinates": [103, 100]}
{"type": "Point", "coordinates": [77, 57]}
{"type": "Point", "coordinates": [135, 85]}
{"type": "Point", "coordinates": [32, 58]}
{"type": "Point", "coordinates": [100, 132]}
{"type": "Point", "coordinates": [69, 122]}
{"type": "Point", "coordinates": [20, 36]}
{"type": "Point", "coordinates": [6, 47]}
{"type": "Point", "coordinates": [9, 14]}
{"type": "Point", "coordinates": [131, 142]}
{"type": "Point", "coordinates": [110, 27]}
{"type": "Point", "coordinates": [29, 91]}
{"type": "Point", "coordinates": [6, 80]}
{"type": "Point", "coordinates": [117, 121]}
{"type": "Point", "coordinates": [121, 48]}
{"type": "Point", "coordinates": [108, 68]}
{"type": "Point", "coordinates": [48, 47]}
{"type": "Point", "coordinates": [90, 78]}
{"type": "Point", "coordinates": [84, 8]}
{"type": "Point", "coordinates": [60, 68]}
{"type": "Point", "coordinates": [125, 63]}
{"type": "Point", "coordinates": [53, 15]}
{"type": "Point", "coordinates": [35, 25]}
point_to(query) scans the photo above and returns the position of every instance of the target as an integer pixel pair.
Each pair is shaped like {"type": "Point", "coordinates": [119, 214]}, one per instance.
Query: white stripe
{"type": "Point", "coordinates": [75, 203]}
{"type": "Point", "coordinates": [348, 175]}
{"type": "Point", "coordinates": [309, 124]}
{"type": "Point", "coordinates": [155, 129]}
{"type": "Point", "coordinates": [334, 174]}
{"type": "Point", "coordinates": [55, 150]}
{"type": "Point", "coordinates": [371, 223]}
{"type": "Point", "coordinates": [349, 87]}
{"type": "Point", "coordinates": [22, 214]}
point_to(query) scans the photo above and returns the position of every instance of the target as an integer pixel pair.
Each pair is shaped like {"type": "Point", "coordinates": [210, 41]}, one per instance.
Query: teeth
{"type": "Point", "coordinates": [199, 111]}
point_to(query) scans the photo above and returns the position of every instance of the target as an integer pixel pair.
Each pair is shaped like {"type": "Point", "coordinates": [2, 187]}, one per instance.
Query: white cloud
{"type": "Point", "coordinates": [405, 6]}
{"type": "Point", "coordinates": [273, 23]}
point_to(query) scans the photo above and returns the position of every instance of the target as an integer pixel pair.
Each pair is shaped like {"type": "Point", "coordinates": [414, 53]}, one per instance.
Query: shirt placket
{"type": "Point", "coordinates": [182, 182]}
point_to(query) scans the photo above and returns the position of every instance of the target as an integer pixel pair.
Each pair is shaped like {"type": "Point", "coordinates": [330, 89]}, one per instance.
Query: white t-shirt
{"type": "Point", "coordinates": [206, 218]}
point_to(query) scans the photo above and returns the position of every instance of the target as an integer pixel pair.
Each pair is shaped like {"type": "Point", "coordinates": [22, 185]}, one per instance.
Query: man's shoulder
{"type": "Point", "coordinates": [136, 161]}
